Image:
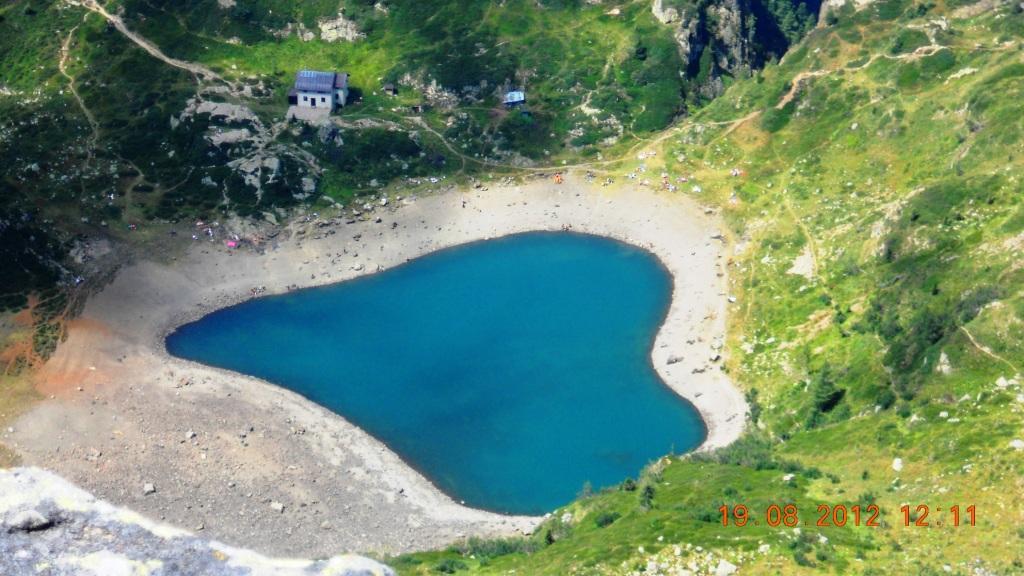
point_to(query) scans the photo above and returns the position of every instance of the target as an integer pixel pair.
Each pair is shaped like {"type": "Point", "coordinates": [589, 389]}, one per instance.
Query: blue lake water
{"type": "Point", "coordinates": [509, 372]}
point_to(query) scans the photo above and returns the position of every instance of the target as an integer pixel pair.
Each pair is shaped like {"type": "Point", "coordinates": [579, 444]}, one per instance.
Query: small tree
{"type": "Point", "coordinates": [647, 497]}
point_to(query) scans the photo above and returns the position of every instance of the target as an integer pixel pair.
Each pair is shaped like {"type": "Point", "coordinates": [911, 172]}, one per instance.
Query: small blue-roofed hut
{"type": "Point", "coordinates": [316, 89]}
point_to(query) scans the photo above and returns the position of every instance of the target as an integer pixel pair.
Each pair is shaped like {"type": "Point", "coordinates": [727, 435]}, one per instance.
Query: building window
{"type": "Point", "coordinates": [305, 98]}
{"type": "Point", "coordinates": [322, 99]}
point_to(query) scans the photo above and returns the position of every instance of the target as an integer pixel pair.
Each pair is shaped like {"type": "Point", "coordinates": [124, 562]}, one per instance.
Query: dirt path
{"type": "Point", "coordinates": [796, 84]}
{"type": "Point", "coordinates": [798, 81]}
{"type": "Point", "coordinates": [988, 351]}
{"type": "Point", "coordinates": [198, 70]}
{"type": "Point", "coordinates": [94, 140]}
{"type": "Point", "coordinates": [62, 65]}
{"type": "Point", "coordinates": [462, 157]}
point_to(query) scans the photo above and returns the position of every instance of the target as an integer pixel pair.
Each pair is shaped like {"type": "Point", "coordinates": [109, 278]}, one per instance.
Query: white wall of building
{"type": "Point", "coordinates": [307, 99]}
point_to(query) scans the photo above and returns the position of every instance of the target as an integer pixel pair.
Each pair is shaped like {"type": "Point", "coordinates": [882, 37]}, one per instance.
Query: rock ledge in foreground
{"type": "Point", "coordinates": [47, 521]}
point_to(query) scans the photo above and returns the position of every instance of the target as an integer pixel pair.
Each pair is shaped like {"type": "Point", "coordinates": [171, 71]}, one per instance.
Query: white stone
{"type": "Point", "coordinates": [28, 520]}
{"type": "Point", "coordinates": [725, 568]}
{"type": "Point", "coordinates": [897, 464]}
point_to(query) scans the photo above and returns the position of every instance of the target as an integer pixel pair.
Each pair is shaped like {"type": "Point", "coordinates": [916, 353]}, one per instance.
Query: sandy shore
{"type": "Point", "coordinates": [224, 452]}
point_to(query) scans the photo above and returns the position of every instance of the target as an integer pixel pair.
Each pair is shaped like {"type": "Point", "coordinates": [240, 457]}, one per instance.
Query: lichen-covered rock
{"type": "Point", "coordinates": [47, 521]}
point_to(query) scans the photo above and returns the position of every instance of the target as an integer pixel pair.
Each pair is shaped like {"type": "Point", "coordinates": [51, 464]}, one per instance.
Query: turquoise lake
{"type": "Point", "coordinates": [509, 372]}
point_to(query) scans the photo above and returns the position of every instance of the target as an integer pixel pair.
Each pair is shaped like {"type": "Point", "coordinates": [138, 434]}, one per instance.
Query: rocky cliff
{"type": "Point", "coordinates": [729, 38]}
{"type": "Point", "coordinates": [48, 522]}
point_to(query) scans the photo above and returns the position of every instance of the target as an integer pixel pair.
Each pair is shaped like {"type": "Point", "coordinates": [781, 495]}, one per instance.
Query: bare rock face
{"type": "Point", "coordinates": [663, 14]}
{"type": "Point", "coordinates": [830, 5]}
{"type": "Point", "coordinates": [46, 520]}
{"type": "Point", "coordinates": [339, 28]}
{"type": "Point", "coordinates": [721, 26]}
{"type": "Point", "coordinates": [723, 38]}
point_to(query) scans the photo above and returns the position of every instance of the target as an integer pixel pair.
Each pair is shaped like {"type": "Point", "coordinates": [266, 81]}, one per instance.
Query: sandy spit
{"type": "Point", "coordinates": [257, 466]}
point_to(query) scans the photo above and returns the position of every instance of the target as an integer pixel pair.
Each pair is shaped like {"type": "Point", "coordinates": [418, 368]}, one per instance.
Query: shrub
{"type": "Point", "coordinates": [824, 397]}
{"type": "Point", "coordinates": [908, 40]}
{"type": "Point", "coordinates": [867, 498]}
{"type": "Point", "coordinates": [938, 62]}
{"type": "Point", "coordinates": [973, 301]}
{"type": "Point", "coordinates": [647, 497]}
{"type": "Point", "coordinates": [887, 9]}
{"type": "Point", "coordinates": [450, 566]}
{"type": "Point", "coordinates": [606, 519]}
{"type": "Point", "coordinates": [526, 133]}
{"type": "Point", "coordinates": [775, 119]}
{"type": "Point", "coordinates": [483, 549]}
{"type": "Point", "coordinates": [755, 406]}
{"type": "Point", "coordinates": [886, 398]}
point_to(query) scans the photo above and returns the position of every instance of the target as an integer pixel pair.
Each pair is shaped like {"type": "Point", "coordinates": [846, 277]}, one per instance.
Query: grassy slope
{"type": "Point", "coordinates": [569, 51]}
{"type": "Point", "coordinates": [904, 182]}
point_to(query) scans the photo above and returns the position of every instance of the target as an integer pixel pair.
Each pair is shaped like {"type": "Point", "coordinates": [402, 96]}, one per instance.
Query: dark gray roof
{"type": "Point", "coordinates": [314, 81]}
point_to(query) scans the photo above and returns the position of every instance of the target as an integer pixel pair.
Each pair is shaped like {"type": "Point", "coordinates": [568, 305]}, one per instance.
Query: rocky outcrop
{"type": "Point", "coordinates": [247, 145]}
{"type": "Point", "coordinates": [830, 5]}
{"type": "Point", "coordinates": [663, 14]}
{"type": "Point", "coordinates": [221, 111]}
{"type": "Point", "coordinates": [720, 27]}
{"type": "Point", "coordinates": [433, 93]}
{"type": "Point", "coordinates": [729, 37]}
{"type": "Point", "coordinates": [47, 521]}
{"type": "Point", "coordinates": [338, 29]}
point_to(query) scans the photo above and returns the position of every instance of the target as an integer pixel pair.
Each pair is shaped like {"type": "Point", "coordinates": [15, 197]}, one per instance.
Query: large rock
{"type": "Point", "coordinates": [47, 521]}
{"type": "Point", "coordinates": [28, 521]}
{"type": "Point", "coordinates": [339, 28]}
{"type": "Point", "coordinates": [725, 568]}
{"type": "Point", "coordinates": [663, 14]}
